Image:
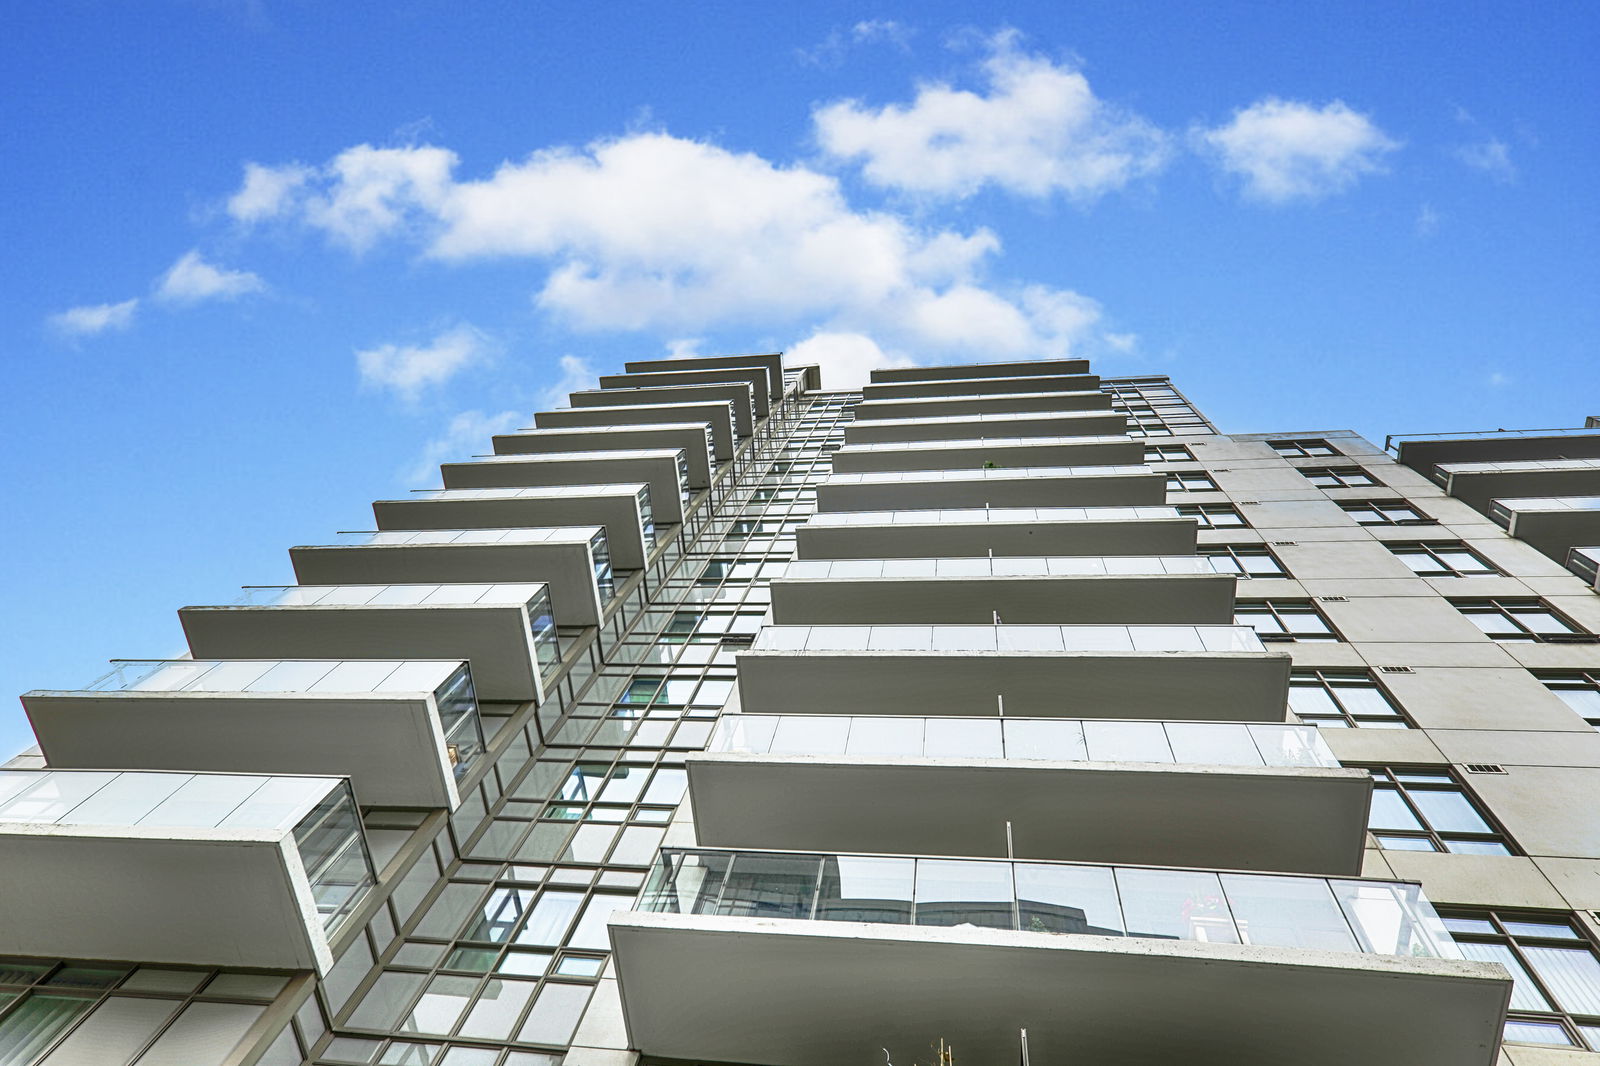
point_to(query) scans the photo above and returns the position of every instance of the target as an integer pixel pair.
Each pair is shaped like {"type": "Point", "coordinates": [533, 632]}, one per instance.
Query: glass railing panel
{"type": "Point", "coordinates": [458, 715]}
{"type": "Point", "coordinates": [600, 555]}
{"type": "Point", "coordinates": [333, 850]}
{"type": "Point", "coordinates": [542, 626]}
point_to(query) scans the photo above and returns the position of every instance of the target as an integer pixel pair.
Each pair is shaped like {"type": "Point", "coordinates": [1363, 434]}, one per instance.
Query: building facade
{"type": "Point", "coordinates": [720, 718]}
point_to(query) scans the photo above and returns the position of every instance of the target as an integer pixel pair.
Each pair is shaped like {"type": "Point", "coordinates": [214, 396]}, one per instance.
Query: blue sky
{"type": "Point", "coordinates": [266, 262]}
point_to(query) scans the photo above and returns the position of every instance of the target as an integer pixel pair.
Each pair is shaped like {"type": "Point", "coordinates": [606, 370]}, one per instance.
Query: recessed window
{"type": "Point", "coordinates": [1338, 477]}
{"type": "Point", "coordinates": [1190, 481]}
{"type": "Point", "coordinates": [1384, 513]}
{"type": "Point", "coordinates": [1443, 558]}
{"type": "Point", "coordinates": [1245, 560]}
{"type": "Point", "coordinates": [1167, 453]}
{"type": "Point", "coordinates": [1283, 620]}
{"type": "Point", "coordinates": [1579, 690]}
{"type": "Point", "coordinates": [1214, 515]}
{"type": "Point", "coordinates": [1303, 448]}
{"type": "Point", "coordinates": [1555, 972]}
{"type": "Point", "coordinates": [1342, 699]}
{"type": "Point", "coordinates": [1520, 619]}
{"type": "Point", "coordinates": [1427, 809]}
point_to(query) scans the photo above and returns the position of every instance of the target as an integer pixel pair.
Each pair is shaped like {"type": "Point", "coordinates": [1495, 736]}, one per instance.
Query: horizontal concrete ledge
{"type": "Point", "coordinates": [794, 993]}
{"type": "Point", "coordinates": [718, 414]}
{"type": "Point", "coordinates": [1013, 368]}
{"type": "Point", "coordinates": [896, 390]}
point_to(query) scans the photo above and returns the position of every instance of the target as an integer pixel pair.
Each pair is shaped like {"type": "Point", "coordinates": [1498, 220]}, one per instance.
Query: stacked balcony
{"type": "Point", "coordinates": [1000, 761]}
{"type": "Point", "coordinates": [693, 438]}
{"type": "Point", "coordinates": [718, 414]}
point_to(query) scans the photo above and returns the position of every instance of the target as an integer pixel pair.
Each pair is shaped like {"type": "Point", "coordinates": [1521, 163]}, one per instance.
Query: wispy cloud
{"type": "Point", "coordinates": [1286, 150]}
{"type": "Point", "coordinates": [192, 280]}
{"type": "Point", "coordinates": [1491, 157]}
{"type": "Point", "coordinates": [408, 369]}
{"type": "Point", "coordinates": [831, 51]}
{"type": "Point", "coordinates": [1427, 223]}
{"type": "Point", "coordinates": [91, 319]}
{"type": "Point", "coordinates": [467, 434]}
{"type": "Point", "coordinates": [576, 376]}
{"type": "Point", "coordinates": [1036, 129]}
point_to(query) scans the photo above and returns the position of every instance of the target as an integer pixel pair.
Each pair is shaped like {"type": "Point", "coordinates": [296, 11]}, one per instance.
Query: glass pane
{"type": "Point", "coordinates": [440, 1005]}
{"type": "Point", "coordinates": [1571, 974]}
{"type": "Point", "coordinates": [35, 1022]}
{"type": "Point", "coordinates": [555, 1014]}
{"type": "Point", "coordinates": [866, 889]}
{"type": "Point", "coordinates": [885, 737]}
{"type": "Point", "coordinates": [956, 892]}
{"type": "Point", "coordinates": [590, 932]}
{"type": "Point", "coordinates": [1175, 905]}
{"type": "Point", "coordinates": [497, 1009]}
{"type": "Point", "coordinates": [1038, 739]}
{"type": "Point", "coordinates": [1527, 1031]}
{"type": "Point", "coordinates": [963, 738]}
{"type": "Point", "coordinates": [770, 886]}
{"type": "Point", "coordinates": [1525, 995]}
{"type": "Point", "coordinates": [550, 917]}
{"type": "Point", "coordinates": [1449, 812]}
{"type": "Point", "coordinates": [1389, 811]}
{"type": "Point", "coordinates": [1068, 899]}
{"type": "Point", "coordinates": [1290, 912]}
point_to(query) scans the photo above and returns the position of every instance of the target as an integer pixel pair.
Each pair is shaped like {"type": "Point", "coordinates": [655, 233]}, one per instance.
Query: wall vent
{"type": "Point", "coordinates": [1334, 599]}
{"type": "Point", "coordinates": [1285, 544]}
{"type": "Point", "coordinates": [1395, 670]}
{"type": "Point", "coordinates": [1251, 503]}
{"type": "Point", "coordinates": [1569, 638]}
{"type": "Point", "coordinates": [1484, 768]}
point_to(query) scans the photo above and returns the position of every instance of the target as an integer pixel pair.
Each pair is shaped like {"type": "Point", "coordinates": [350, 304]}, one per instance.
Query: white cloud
{"type": "Point", "coordinates": [831, 52]}
{"type": "Point", "coordinates": [192, 280]}
{"type": "Point", "coordinates": [94, 318]}
{"type": "Point", "coordinates": [576, 376]}
{"type": "Point", "coordinates": [362, 194]}
{"type": "Point", "coordinates": [267, 191]}
{"type": "Point", "coordinates": [408, 369]}
{"type": "Point", "coordinates": [1492, 157]}
{"type": "Point", "coordinates": [1287, 150]}
{"type": "Point", "coordinates": [1499, 380]}
{"type": "Point", "coordinates": [1036, 130]}
{"type": "Point", "coordinates": [467, 434]}
{"type": "Point", "coordinates": [1427, 223]}
{"type": "Point", "coordinates": [660, 233]}
{"type": "Point", "coordinates": [846, 360]}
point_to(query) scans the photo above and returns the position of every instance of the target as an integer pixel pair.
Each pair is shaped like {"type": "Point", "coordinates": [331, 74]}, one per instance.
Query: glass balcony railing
{"type": "Point", "coordinates": [277, 675]}
{"type": "Point", "coordinates": [1392, 442]}
{"type": "Point", "coordinates": [1268, 910]}
{"type": "Point", "coordinates": [520, 535]}
{"type": "Point", "coordinates": [935, 516]}
{"type": "Point", "coordinates": [1013, 566]}
{"type": "Point", "coordinates": [1047, 739]}
{"type": "Point", "coordinates": [421, 595]}
{"type": "Point", "coordinates": [889, 477]}
{"type": "Point", "coordinates": [1585, 562]}
{"type": "Point", "coordinates": [965, 639]}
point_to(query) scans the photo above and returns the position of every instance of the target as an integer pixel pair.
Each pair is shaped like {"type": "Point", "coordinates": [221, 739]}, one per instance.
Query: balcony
{"type": "Point", "coordinates": [575, 561]}
{"type": "Point", "coordinates": [1585, 562]}
{"type": "Point", "coordinates": [913, 390]}
{"type": "Point", "coordinates": [718, 414]}
{"type": "Point", "coordinates": [991, 452]}
{"type": "Point", "coordinates": [694, 438]}
{"type": "Point", "coordinates": [1000, 531]}
{"type": "Point", "coordinates": [1225, 794]}
{"type": "Point", "coordinates": [196, 869]}
{"type": "Point", "coordinates": [1189, 673]}
{"type": "Point", "coordinates": [738, 957]}
{"type": "Point", "coordinates": [665, 470]}
{"type": "Point", "coordinates": [1126, 590]}
{"type": "Point", "coordinates": [1477, 484]}
{"type": "Point", "coordinates": [1423, 451]}
{"type": "Point", "coordinates": [1042, 486]}
{"type": "Point", "coordinates": [1020, 368]}
{"type": "Point", "coordinates": [757, 377]}
{"type": "Point", "coordinates": [624, 511]}
{"type": "Point", "coordinates": [505, 631]}
{"type": "Point", "coordinates": [739, 394]}
{"type": "Point", "coordinates": [773, 362]}
{"type": "Point", "coordinates": [404, 732]}
{"type": "Point", "coordinates": [987, 404]}
{"type": "Point", "coordinates": [978, 427]}
{"type": "Point", "coordinates": [1554, 525]}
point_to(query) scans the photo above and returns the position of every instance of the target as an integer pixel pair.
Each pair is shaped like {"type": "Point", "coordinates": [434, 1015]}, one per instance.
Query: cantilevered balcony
{"type": "Point", "coordinates": [978, 427]}
{"type": "Point", "coordinates": [575, 561]}
{"type": "Point", "coordinates": [1554, 525]}
{"type": "Point", "coordinates": [506, 631]}
{"type": "Point", "coordinates": [694, 438]}
{"type": "Point", "coordinates": [625, 512]}
{"type": "Point", "coordinates": [718, 414]}
{"type": "Point", "coordinates": [404, 732]}
{"type": "Point", "coordinates": [772, 361]}
{"type": "Point", "coordinates": [819, 959]}
{"type": "Point", "coordinates": [913, 390]}
{"type": "Point", "coordinates": [1424, 451]}
{"type": "Point", "coordinates": [200, 869]}
{"type": "Point", "coordinates": [1192, 673]}
{"type": "Point", "coordinates": [1126, 590]}
{"type": "Point", "coordinates": [964, 532]}
{"type": "Point", "coordinates": [665, 470]}
{"type": "Point", "coordinates": [986, 404]}
{"type": "Point", "coordinates": [757, 377]}
{"type": "Point", "coordinates": [1585, 562]}
{"type": "Point", "coordinates": [1226, 794]}
{"type": "Point", "coordinates": [1476, 484]}
{"type": "Point", "coordinates": [1020, 368]}
{"type": "Point", "coordinates": [737, 393]}
{"type": "Point", "coordinates": [1045, 486]}
{"type": "Point", "coordinates": [992, 452]}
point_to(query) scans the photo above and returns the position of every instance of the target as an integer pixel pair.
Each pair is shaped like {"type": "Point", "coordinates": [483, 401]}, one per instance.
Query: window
{"type": "Point", "coordinates": [1190, 481]}
{"type": "Point", "coordinates": [1520, 620]}
{"type": "Point", "coordinates": [1310, 448]}
{"type": "Point", "coordinates": [1384, 513]}
{"type": "Point", "coordinates": [1580, 691]}
{"type": "Point", "coordinates": [1429, 810]}
{"type": "Point", "coordinates": [1214, 515]}
{"type": "Point", "coordinates": [1555, 972]}
{"type": "Point", "coordinates": [1167, 453]}
{"type": "Point", "coordinates": [1283, 620]}
{"type": "Point", "coordinates": [1245, 560]}
{"type": "Point", "coordinates": [1342, 699]}
{"type": "Point", "coordinates": [1338, 477]}
{"type": "Point", "coordinates": [1442, 558]}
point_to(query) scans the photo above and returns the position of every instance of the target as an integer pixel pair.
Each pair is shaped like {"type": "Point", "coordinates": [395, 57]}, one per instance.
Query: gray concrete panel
{"type": "Point", "coordinates": [718, 414]}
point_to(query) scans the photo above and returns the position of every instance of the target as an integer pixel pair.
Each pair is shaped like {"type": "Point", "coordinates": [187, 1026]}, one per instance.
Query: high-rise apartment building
{"type": "Point", "coordinates": [723, 719]}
